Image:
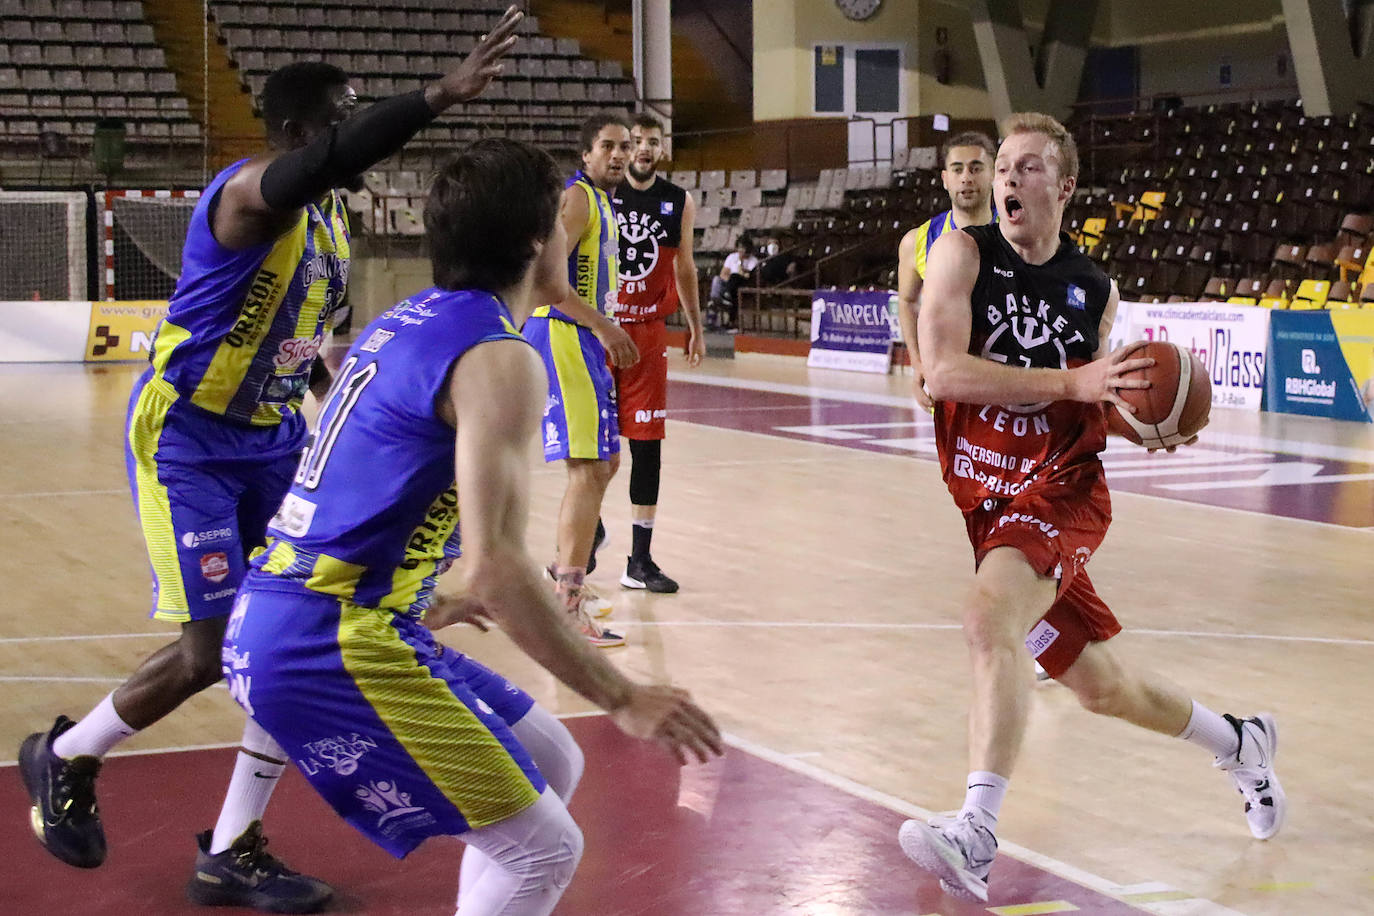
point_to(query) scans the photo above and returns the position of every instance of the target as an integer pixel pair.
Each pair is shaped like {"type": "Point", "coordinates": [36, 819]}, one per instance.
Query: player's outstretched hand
{"type": "Point", "coordinates": [483, 64]}
{"type": "Point", "coordinates": [618, 344]}
{"type": "Point", "coordinates": [446, 610]}
{"type": "Point", "coordinates": [1100, 379]}
{"type": "Point", "coordinates": [668, 717]}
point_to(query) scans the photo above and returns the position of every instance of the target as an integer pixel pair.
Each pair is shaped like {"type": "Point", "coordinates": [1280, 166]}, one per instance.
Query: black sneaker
{"type": "Point", "coordinates": [644, 573]}
{"type": "Point", "coordinates": [597, 540]}
{"type": "Point", "coordinates": [246, 875]}
{"type": "Point", "coordinates": [64, 816]}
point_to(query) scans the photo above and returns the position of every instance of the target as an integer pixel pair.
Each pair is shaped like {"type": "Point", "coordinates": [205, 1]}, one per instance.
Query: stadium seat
{"type": "Point", "coordinates": [1311, 294]}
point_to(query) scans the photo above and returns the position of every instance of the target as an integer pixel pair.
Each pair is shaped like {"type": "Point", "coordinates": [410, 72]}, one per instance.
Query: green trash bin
{"type": "Point", "coordinates": [107, 146]}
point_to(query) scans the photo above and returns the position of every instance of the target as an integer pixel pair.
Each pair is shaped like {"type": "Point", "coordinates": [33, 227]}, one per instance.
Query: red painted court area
{"type": "Point", "coordinates": [740, 837]}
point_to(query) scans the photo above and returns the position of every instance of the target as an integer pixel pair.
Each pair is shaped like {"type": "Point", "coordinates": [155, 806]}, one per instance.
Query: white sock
{"type": "Point", "coordinates": [94, 735]}
{"type": "Point", "coordinates": [1208, 729]}
{"type": "Point", "coordinates": [255, 776]}
{"type": "Point", "coordinates": [985, 793]}
{"type": "Point", "coordinates": [643, 523]}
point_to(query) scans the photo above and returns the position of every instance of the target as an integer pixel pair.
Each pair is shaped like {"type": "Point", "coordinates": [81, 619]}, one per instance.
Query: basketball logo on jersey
{"type": "Point", "coordinates": [640, 236]}
{"type": "Point", "coordinates": [1077, 297]}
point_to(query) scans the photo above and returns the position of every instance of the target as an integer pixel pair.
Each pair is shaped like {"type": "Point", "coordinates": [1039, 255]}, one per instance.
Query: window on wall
{"type": "Point", "coordinates": [877, 79]}
{"type": "Point", "coordinates": [873, 85]}
{"type": "Point", "coordinates": [829, 79]}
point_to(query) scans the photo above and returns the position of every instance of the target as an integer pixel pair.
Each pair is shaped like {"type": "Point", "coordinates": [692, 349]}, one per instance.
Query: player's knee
{"type": "Point", "coordinates": [199, 666]}
{"type": "Point", "coordinates": [986, 628]}
{"type": "Point", "coordinates": [550, 854]}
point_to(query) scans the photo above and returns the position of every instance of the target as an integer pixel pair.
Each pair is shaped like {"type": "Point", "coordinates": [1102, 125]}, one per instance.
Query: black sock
{"type": "Point", "coordinates": [641, 535]}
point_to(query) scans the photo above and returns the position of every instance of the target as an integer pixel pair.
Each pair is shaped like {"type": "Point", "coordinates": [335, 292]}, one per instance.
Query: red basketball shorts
{"type": "Point", "coordinates": [642, 389]}
{"type": "Point", "coordinates": [1057, 526]}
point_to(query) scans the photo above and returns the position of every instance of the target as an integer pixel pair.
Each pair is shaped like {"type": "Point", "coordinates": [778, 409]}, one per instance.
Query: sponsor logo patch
{"type": "Point", "coordinates": [215, 566]}
{"type": "Point", "coordinates": [204, 538]}
{"type": "Point", "coordinates": [1041, 637]}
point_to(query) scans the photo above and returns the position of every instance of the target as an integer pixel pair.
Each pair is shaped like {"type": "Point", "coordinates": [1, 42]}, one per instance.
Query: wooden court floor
{"type": "Point", "coordinates": [821, 574]}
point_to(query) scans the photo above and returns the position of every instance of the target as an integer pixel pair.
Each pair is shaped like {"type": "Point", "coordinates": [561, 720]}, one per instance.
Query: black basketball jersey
{"type": "Point", "coordinates": [1033, 316]}
{"type": "Point", "coordinates": [650, 233]}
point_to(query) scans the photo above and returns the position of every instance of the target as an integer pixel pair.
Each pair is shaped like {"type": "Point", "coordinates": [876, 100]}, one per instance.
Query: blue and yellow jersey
{"type": "Point", "coordinates": [244, 327]}
{"type": "Point", "coordinates": [373, 511]}
{"type": "Point", "coordinates": [929, 231]}
{"type": "Point", "coordinates": [594, 266]}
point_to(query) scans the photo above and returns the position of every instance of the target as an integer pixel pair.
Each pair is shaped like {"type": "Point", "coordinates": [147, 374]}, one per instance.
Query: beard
{"type": "Point", "coordinates": [639, 175]}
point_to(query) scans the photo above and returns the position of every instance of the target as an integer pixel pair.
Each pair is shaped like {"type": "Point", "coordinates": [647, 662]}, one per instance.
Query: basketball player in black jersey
{"type": "Point", "coordinates": [1013, 328]}
{"type": "Point", "coordinates": [657, 272]}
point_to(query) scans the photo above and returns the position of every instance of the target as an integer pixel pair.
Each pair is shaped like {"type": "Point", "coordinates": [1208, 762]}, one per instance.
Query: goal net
{"type": "Point", "coordinates": [44, 235]}
{"type": "Point", "coordinates": [143, 235]}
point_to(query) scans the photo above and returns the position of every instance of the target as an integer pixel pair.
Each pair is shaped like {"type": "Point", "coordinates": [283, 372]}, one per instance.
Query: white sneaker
{"type": "Point", "coordinates": [959, 852]}
{"type": "Point", "coordinates": [594, 632]}
{"type": "Point", "coordinates": [594, 604]}
{"type": "Point", "coordinates": [1252, 770]}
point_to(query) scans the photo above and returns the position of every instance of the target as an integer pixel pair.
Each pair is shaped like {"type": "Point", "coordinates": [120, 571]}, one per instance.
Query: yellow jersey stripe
{"type": "Point", "coordinates": [580, 410]}
{"type": "Point", "coordinates": [230, 364]}
{"type": "Point", "coordinates": [446, 738]}
{"type": "Point", "coordinates": [154, 505]}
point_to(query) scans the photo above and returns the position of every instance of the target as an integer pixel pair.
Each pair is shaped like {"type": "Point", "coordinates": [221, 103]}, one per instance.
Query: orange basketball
{"type": "Point", "coordinates": [1175, 406]}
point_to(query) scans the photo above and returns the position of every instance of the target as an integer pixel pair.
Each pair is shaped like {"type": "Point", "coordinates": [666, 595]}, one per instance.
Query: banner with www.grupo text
{"type": "Point", "coordinates": [851, 330]}
{"type": "Point", "coordinates": [1231, 340]}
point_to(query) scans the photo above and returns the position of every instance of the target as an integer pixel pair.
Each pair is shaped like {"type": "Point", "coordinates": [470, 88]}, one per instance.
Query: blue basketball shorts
{"type": "Point", "coordinates": [580, 415]}
{"type": "Point", "coordinates": [404, 737]}
{"type": "Point", "coordinates": [204, 489]}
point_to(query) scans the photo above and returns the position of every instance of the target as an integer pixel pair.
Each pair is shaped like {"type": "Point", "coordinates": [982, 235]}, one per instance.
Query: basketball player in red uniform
{"type": "Point", "coordinates": [1013, 330]}
{"type": "Point", "coordinates": [657, 272]}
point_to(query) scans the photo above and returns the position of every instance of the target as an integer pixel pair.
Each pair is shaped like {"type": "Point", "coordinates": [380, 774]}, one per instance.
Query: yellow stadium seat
{"type": "Point", "coordinates": [1150, 204]}
{"type": "Point", "coordinates": [1241, 300]}
{"type": "Point", "coordinates": [1092, 230]}
{"type": "Point", "coordinates": [1311, 294]}
{"type": "Point", "coordinates": [1269, 302]}
{"type": "Point", "coordinates": [1341, 304]}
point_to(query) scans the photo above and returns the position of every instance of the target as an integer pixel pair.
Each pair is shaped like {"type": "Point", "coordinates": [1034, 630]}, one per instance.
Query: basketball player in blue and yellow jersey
{"type": "Point", "coordinates": [575, 337]}
{"type": "Point", "coordinates": [330, 647]}
{"type": "Point", "coordinates": [967, 176]}
{"type": "Point", "coordinates": [213, 434]}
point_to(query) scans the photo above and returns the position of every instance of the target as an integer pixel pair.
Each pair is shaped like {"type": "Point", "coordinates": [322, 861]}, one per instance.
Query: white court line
{"type": "Point", "coordinates": [1063, 870]}
{"type": "Point", "coordinates": [50, 493]}
{"type": "Point", "coordinates": [1198, 907]}
{"type": "Point", "coordinates": [1233, 440]}
{"type": "Point", "coordinates": [815, 624]}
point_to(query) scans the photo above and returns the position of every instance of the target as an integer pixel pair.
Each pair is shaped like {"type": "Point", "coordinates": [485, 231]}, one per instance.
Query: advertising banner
{"type": "Point", "coordinates": [851, 330]}
{"type": "Point", "coordinates": [122, 331]}
{"type": "Point", "coordinates": [1318, 370]}
{"type": "Point", "coordinates": [1231, 340]}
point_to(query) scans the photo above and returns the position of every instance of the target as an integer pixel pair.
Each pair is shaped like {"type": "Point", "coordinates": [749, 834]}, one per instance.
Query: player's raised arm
{"type": "Point", "coordinates": [262, 200]}
{"type": "Point", "coordinates": [497, 394]}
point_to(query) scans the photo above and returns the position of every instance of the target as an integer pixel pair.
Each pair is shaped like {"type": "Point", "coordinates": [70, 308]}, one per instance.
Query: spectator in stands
{"type": "Point", "coordinates": [214, 437]}
{"type": "Point", "coordinates": [738, 268]}
{"type": "Point", "coordinates": [775, 265]}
